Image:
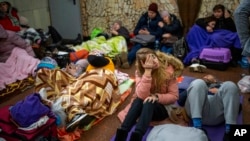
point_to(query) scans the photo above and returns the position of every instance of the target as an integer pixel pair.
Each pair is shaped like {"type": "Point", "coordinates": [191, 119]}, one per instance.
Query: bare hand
{"type": "Point", "coordinates": [149, 63]}
{"type": "Point", "coordinates": [209, 29]}
{"type": "Point", "coordinates": [160, 24]}
{"type": "Point", "coordinates": [151, 99]}
{"type": "Point", "coordinates": [213, 90]}
{"type": "Point", "coordinates": [144, 31]}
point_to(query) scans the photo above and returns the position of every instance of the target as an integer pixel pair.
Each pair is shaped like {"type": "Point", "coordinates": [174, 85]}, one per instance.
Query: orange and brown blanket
{"type": "Point", "coordinates": [95, 92]}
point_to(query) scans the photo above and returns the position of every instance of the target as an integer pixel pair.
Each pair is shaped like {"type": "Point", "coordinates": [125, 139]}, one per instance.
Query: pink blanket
{"type": "Point", "coordinates": [17, 67]}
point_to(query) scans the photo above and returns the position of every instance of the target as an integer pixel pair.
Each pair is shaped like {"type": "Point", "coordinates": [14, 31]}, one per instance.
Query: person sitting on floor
{"type": "Point", "coordinates": [29, 34]}
{"type": "Point", "coordinates": [147, 25]}
{"type": "Point", "coordinates": [210, 102]}
{"type": "Point", "coordinates": [156, 88]}
{"type": "Point", "coordinates": [223, 35]}
{"type": "Point", "coordinates": [172, 31]}
{"type": "Point", "coordinates": [10, 40]}
{"type": "Point", "coordinates": [9, 18]}
{"type": "Point", "coordinates": [117, 29]}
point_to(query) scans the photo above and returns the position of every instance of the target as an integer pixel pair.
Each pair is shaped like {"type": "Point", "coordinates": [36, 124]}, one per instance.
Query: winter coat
{"type": "Point", "coordinates": [175, 28]}
{"type": "Point", "coordinates": [225, 23]}
{"type": "Point", "coordinates": [150, 25]}
{"type": "Point", "coordinates": [10, 40]}
{"type": "Point", "coordinates": [6, 21]}
{"type": "Point", "coordinates": [169, 92]}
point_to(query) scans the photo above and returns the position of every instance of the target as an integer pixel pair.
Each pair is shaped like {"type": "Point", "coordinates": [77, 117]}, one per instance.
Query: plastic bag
{"type": "Point", "coordinates": [95, 32]}
{"type": "Point", "coordinates": [244, 84]}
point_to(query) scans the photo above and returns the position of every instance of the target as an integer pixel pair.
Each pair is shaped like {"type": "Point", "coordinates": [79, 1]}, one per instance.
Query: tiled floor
{"type": "Point", "coordinates": [104, 130]}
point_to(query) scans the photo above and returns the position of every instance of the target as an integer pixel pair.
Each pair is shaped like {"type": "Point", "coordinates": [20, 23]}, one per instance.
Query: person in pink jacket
{"type": "Point", "coordinates": [10, 40]}
{"type": "Point", "coordinates": [156, 87]}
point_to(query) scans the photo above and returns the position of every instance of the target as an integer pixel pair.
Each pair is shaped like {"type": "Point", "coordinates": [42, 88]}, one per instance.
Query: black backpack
{"type": "Point", "coordinates": [180, 48]}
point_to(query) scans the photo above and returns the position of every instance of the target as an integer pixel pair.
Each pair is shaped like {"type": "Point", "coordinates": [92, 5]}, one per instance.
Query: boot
{"type": "Point", "coordinates": [135, 136]}
{"type": "Point", "coordinates": [124, 60]}
{"type": "Point", "coordinates": [121, 135]}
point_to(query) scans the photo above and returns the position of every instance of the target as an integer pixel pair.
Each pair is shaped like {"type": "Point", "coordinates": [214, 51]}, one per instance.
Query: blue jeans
{"type": "Point", "coordinates": [167, 49]}
{"type": "Point", "coordinates": [132, 53]}
{"type": "Point", "coordinates": [241, 17]}
{"type": "Point", "coordinates": [146, 112]}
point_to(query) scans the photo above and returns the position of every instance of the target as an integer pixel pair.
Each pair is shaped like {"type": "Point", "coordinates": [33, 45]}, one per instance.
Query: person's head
{"type": "Point", "coordinates": [152, 10]}
{"type": "Point", "coordinates": [159, 70]}
{"type": "Point", "coordinates": [5, 6]}
{"type": "Point", "coordinates": [209, 79]}
{"type": "Point", "coordinates": [142, 55]}
{"type": "Point", "coordinates": [117, 25]}
{"type": "Point", "coordinates": [165, 16]}
{"type": "Point", "coordinates": [218, 11]}
{"type": "Point", "coordinates": [211, 21]}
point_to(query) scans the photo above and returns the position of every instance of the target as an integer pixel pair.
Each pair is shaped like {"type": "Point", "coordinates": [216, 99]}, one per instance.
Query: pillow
{"type": "Point", "coordinates": [174, 132]}
{"type": "Point", "coordinates": [185, 82]}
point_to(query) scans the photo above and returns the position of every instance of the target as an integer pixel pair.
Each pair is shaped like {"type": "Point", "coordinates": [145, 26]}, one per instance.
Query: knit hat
{"type": "Point", "coordinates": [153, 7]}
{"type": "Point", "coordinates": [47, 62]}
{"type": "Point", "coordinates": [96, 58]}
{"type": "Point", "coordinates": [165, 13]}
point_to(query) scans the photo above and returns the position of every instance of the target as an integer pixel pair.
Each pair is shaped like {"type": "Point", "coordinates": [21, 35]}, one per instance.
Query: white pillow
{"type": "Point", "coordinates": [173, 132]}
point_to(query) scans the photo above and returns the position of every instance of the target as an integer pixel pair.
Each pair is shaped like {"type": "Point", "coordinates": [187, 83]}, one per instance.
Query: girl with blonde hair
{"type": "Point", "coordinates": [156, 87]}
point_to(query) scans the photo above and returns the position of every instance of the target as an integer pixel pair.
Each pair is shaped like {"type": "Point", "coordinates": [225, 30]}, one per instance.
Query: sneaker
{"type": "Point", "coordinates": [197, 68]}
{"type": "Point", "coordinates": [74, 122]}
{"type": "Point", "coordinates": [86, 121]}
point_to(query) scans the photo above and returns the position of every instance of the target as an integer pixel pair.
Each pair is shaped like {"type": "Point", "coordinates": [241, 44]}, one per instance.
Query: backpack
{"type": "Point", "coordinates": [180, 48]}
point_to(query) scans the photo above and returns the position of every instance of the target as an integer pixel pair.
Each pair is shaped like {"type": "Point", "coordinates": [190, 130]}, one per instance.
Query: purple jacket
{"type": "Point", "coordinates": [10, 40]}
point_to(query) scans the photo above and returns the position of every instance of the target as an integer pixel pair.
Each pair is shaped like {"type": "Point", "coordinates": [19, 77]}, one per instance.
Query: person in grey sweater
{"type": "Point", "coordinates": [212, 103]}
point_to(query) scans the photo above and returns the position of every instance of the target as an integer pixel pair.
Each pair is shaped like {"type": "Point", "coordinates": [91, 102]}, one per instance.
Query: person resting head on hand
{"type": "Point", "coordinates": [156, 88]}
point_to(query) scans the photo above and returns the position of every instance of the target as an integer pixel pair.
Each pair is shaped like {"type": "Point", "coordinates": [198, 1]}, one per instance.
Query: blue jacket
{"type": "Point", "coordinates": [151, 25]}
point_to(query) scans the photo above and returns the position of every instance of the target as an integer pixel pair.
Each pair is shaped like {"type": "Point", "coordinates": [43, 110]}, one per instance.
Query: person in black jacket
{"type": "Point", "coordinates": [223, 34]}
{"type": "Point", "coordinates": [172, 31]}
{"type": "Point", "coordinates": [147, 25]}
{"type": "Point", "coordinates": [224, 19]}
{"type": "Point", "coordinates": [226, 22]}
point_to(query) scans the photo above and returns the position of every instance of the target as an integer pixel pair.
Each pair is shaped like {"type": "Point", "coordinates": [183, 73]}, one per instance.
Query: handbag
{"type": "Point", "coordinates": [143, 39]}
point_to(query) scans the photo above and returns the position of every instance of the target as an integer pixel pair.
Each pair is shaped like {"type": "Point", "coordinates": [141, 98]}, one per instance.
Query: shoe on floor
{"type": "Point", "coordinates": [74, 122]}
{"type": "Point", "coordinates": [197, 68]}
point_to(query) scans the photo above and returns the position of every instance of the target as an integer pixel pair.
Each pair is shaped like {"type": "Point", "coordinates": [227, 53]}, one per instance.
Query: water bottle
{"type": "Point", "coordinates": [157, 44]}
